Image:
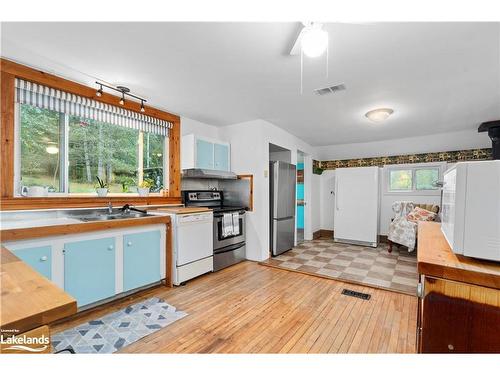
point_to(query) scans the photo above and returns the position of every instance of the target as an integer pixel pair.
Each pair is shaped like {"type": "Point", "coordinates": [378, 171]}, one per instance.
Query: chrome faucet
{"type": "Point", "coordinates": [110, 207]}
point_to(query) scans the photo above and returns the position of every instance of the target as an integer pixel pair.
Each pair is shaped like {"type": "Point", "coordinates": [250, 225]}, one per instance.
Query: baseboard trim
{"type": "Point", "coordinates": [325, 233]}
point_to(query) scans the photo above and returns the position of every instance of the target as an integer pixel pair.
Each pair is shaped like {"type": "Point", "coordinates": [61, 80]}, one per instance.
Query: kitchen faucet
{"type": "Point", "coordinates": [110, 207]}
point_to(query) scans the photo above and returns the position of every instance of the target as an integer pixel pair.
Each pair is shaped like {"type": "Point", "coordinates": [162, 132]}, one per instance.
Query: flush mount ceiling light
{"type": "Point", "coordinates": [124, 91]}
{"type": "Point", "coordinates": [379, 114]}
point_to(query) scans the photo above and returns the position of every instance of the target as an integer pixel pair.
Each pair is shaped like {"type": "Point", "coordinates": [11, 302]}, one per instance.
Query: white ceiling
{"type": "Point", "coordinates": [438, 77]}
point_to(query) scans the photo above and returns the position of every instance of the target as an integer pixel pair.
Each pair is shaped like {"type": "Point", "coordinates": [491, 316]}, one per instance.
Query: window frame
{"type": "Point", "coordinates": [64, 161]}
{"type": "Point", "coordinates": [440, 166]}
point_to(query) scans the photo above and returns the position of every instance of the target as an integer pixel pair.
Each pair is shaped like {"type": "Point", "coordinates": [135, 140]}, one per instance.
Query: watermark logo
{"type": "Point", "coordinates": [12, 343]}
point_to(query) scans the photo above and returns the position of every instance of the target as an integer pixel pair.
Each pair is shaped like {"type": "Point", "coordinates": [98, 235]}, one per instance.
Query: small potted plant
{"type": "Point", "coordinates": [101, 187]}
{"type": "Point", "coordinates": [143, 187]}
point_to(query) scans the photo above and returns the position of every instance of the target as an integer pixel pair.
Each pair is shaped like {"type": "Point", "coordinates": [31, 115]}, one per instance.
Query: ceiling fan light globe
{"type": "Point", "coordinates": [314, 42]}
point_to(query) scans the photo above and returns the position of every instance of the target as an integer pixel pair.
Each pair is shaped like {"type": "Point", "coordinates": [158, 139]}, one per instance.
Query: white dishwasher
{"type": "Point", "coordinates": [192, 245]}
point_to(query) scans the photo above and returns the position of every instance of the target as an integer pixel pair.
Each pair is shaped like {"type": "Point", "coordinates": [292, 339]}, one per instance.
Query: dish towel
{"type": "Point", "coordinates": [227, 225]}
{"type": "Point", "coordinates": [236, 223]}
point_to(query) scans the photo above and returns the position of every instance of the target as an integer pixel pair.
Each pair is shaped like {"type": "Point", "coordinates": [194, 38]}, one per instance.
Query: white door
{"type": "Point", "coordinates": [194, 238]}
{"type": "Point", "coordinates": [356, 205]}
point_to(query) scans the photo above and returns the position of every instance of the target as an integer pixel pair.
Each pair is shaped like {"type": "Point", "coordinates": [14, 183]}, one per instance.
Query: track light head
{"type": "Point", "coordinates": [122, 100]}
{"type": "Point", "coordinates": [99, 92]}
{"type": "Point", "coordinates": [142, 106]}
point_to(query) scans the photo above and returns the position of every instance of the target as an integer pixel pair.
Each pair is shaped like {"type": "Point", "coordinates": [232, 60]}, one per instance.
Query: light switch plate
{"type": "Point", "coordinates": [266, 173]}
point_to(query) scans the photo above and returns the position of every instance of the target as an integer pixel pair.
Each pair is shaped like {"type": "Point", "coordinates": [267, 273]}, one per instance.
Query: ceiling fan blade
{"type": "Point", "coordinates": [296, 45]}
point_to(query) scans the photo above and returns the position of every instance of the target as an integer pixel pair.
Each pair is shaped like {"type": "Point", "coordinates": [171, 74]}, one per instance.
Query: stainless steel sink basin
{"type": "Point", "coordinates": [122, 215]}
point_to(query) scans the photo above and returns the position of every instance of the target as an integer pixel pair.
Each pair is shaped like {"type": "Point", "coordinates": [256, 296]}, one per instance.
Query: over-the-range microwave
{"type": "Point", "coordinates": [471, 209]}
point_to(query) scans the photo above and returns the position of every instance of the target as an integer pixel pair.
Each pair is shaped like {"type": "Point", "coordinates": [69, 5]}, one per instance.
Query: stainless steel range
{"type": "Point", "coordinates": [228, 226]}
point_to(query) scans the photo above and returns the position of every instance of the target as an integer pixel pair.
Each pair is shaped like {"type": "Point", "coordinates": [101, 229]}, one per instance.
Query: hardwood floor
{"type": "Point", "coordinates": [250, 308]}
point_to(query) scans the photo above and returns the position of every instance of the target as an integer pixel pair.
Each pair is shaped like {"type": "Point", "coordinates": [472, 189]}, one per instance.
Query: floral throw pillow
{"type": "Point", "coordinates": [419, 214]}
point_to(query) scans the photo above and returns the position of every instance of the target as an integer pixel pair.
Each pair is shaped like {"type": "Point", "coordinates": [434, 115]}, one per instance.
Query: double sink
{"type": "Point", "coordinates": [126, 212]}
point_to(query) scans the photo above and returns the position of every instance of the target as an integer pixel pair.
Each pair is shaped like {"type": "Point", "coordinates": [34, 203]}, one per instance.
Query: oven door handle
{"type": "Point", "coordinates": [229, 248]}
{"type": "Point", "coordinates": [242, 213]}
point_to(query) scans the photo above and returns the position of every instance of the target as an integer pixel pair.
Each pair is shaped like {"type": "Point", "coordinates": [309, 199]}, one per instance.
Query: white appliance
{"type": "Point", "coordinates": [356, 205]}
{"type": "Point", "coordinates": [192, 245]}
{"type": "Point", "coordinates": [471, 209]}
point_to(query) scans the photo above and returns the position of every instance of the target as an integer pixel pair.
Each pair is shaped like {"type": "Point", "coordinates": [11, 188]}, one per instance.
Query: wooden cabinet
{"type": "Point", "coordinates": [459, 298]}
{"type": "Point", "coordinates": [205, 153]}
{"type": "Point", "coordinates": [458, 318]}
{"type": "Point", "coordinates": [89, 270]}
{"type": "Point", "coordinates": [39, 258]}
{"type": "Point", "coordinates": [141, 259]}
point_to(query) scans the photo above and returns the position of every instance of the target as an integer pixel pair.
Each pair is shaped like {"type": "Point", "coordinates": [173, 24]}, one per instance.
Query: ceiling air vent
{"type": "Point", "coordinates": [329, 90]}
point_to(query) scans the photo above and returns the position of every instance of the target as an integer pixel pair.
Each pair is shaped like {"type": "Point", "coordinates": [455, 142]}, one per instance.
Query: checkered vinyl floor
{"type": "Point", "coordinates": [363, 265]}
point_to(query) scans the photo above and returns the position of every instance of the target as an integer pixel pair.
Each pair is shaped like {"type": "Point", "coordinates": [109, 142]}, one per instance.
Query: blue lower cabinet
{"type": "Point", "coordinates": [141, 259]}
{"type": "Point", "coordinates": [39, 258]}
{"type": "Point", "coordinates": [89, 270]}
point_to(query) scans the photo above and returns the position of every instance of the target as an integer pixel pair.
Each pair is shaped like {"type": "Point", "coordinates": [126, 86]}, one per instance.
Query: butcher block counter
{"type": "Point", "coordinates": [29, 300]}
{"type": "Point", "coordinates": [183, 210]}
{"type": "Point", "coordinates": [435, 258]}
{"type": "Point", "coordinates": [459, 298]}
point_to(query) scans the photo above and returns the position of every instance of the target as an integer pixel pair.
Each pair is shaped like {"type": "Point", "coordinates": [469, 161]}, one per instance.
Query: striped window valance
{"type": "Point", "coordinates": [48, 98]}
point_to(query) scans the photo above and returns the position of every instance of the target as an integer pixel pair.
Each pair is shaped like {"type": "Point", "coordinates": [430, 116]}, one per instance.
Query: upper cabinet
{"type": "Point", "coordinates": [205, 153]}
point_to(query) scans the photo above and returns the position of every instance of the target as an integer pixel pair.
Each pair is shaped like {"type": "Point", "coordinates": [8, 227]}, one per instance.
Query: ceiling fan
{"type": "Point", "coordinates": [312, 40]}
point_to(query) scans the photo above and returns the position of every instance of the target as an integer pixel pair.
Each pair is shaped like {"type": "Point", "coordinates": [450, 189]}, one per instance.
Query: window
{"type": "Point", "coordinates": [413, 179]}
{"type": "Point", "coordinates": [63, 150]}
{"type": "Point", "coordinates": [401, 179]}
{"type": "Point", "coordinates": [40, 144]}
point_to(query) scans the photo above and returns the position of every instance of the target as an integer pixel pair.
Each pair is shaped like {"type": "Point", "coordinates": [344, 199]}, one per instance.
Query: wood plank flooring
{"type": "Point", "coordinates": [250, 308]}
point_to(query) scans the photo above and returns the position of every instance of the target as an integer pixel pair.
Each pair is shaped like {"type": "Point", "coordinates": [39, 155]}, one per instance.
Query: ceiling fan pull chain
{"type": "Point", "coordinates": [301, 69]}
{"type": "Point", "coordinates": [327, 48]}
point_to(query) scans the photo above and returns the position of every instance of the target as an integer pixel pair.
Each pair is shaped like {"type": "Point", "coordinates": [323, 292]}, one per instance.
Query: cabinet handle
{"type": "Point", "coordinates": [44, 258]}
{"type": "Point", "coordinates": [110, 247]}
{"type": "Point", "coordinates": [129, 243]}
{"type": "Point", "coordinates": [451, 347]}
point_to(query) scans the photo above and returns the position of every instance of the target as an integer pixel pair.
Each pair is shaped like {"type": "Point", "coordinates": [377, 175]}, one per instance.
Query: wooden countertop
{"type": "Point", "coordinates": [29, 300]}
{"type": "Point", "coordinates": [435, 258]}
{"type": "Point", "coordinates": [91, 226]}
{"type": "Point", "coordinates": [184, 210]}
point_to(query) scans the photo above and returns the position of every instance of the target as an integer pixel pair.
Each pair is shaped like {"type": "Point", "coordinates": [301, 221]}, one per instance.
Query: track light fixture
{"type": "Point", "coordinates": [124, 91]}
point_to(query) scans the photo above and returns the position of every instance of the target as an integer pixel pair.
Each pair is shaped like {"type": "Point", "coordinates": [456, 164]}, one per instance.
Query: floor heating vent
{"type": "Point", "coordinates": [352, 293]}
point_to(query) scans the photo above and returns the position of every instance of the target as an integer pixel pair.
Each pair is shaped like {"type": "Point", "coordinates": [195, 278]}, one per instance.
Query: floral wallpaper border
{"type": "Point", "coordinates": [448, 156]}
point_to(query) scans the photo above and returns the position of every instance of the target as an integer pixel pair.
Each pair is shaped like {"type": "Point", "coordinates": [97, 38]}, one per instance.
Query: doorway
{"type": "Point", "coordinates": [300, 202]}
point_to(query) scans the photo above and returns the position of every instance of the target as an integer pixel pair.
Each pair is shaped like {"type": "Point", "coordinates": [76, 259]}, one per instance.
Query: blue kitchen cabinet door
{"type": "Point", "coordinates": [39, 258]}
{"type": "Point", "coordinates": [221, 157]}
{"type": "Point", "coordinates": [89, 270]}
{"type": "Point", "coordinates": [204, 154]}
{"type": "Point", "coordinates": [300, 191]}
{"type": "Point", "coordinates": [141, 259]}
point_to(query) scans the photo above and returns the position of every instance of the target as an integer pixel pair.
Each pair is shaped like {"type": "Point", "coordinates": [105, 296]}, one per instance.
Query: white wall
{"type": "Point", "coordinates": [189, 126]}
{"type": "Point", "coordinates": [462, 140]}
{"type": "Point", "coordinates": [250, 154]}
{"type": "Point", "coordinates": [327, 199]}
{"type": "Point", "coordinates": [315, 203]}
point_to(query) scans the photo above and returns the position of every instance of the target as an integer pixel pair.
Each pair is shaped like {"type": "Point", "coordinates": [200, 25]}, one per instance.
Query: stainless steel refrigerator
{"type": "Point", "coordinates": [282, 184]}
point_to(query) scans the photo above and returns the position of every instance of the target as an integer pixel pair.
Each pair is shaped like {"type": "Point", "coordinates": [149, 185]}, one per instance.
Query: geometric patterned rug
{"type": "Point", "coordinates": [375, 267]}
{"type": "Point", "coordinates": [119, 329]}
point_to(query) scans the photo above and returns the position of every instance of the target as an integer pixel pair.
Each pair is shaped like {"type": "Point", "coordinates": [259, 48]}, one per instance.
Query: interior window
{"type": "Point", "coordinates": [40, 148]}
{"type": "Point", "coordinates": [425, 179]}
{"type": "Point", "coordinates": [400, 179]}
